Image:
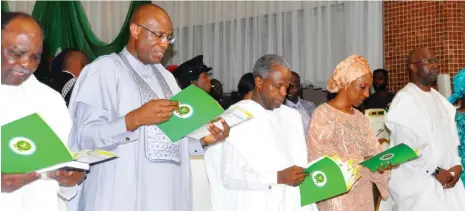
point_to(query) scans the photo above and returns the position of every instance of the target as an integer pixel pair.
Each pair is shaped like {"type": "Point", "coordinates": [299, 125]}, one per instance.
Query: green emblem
{"type": "Point", "coordinates": [23, 145]}
{"type": "Point", "coordinates": [319, 178]}
{"type": "Point", "coordinates": [184, 111]}
{"type": "Point", "coordinates": [387, 156]}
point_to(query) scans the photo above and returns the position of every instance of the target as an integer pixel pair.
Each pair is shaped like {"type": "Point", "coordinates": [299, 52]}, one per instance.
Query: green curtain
{"type": "Point", "coordinates": [66, 25]}
{"type": "Point", "coordinates": [5, 7]}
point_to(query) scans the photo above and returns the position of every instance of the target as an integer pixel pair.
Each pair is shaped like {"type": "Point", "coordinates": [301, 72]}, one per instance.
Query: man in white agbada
{"type": "Point", "coordinates": [116, 103]}
{"type": "Point", "coordinates": [259, 166]}
{"type": "Point", "coordinates": [22, 95]}
{"type": "Point", "coordinates": [421, 117]}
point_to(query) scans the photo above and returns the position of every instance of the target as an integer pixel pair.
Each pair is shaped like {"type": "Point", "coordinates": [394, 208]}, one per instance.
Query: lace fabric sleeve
{"type": "Point", "coordinates": [380, 180]}
{"type": "Point", "coordinates": [319, 135]}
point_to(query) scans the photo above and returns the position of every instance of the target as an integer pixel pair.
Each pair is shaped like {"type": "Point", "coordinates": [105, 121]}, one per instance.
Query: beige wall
{"type": "Point", "coordinates": [317, 96]}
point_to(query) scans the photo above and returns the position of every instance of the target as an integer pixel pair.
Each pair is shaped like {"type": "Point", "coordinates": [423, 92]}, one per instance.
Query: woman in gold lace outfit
{"type": "Point", "coordinates": [339, 129]}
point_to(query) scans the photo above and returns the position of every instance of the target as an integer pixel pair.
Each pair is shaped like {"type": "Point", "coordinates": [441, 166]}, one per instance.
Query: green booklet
{"type": "Point", "coordinates": [30, 145]}
{"type": "Point", "coordinates": [395, 155]}
{"type": "Point", "coordinates": [196, 108]}
{"type": "Point", "coordinates": [329, 177]}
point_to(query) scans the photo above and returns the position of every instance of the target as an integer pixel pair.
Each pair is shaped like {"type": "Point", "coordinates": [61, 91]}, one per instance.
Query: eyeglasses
{"type": "Point", "coordinates": [161, 37]}
{"type": "Point", "coordinates": [428, 61]}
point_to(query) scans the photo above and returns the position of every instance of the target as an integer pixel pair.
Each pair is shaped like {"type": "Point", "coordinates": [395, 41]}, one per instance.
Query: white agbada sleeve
{"type": "Point", "coordinates": [33, 96]}
{"type": "Point", "coordinates": [93, 115]}
{"type": "Point", "coordinates": [408, 181]}
{"type": "Point", "coordinates": [61, 124]}
{"type": "Point", "coordinates": [237, 174]}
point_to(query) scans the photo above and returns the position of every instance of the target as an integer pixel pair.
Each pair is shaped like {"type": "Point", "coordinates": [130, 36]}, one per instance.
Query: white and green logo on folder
{"type": "Point", "coordinates": [29, 144]}
{"type": "Point", "coordinates": [22, 146]}
{"type": "Point", "coordinates": [395, 155]}
{"type": "Point", "coordinates": [184, 111]}
{"type": "Point", "coordinates": [328, 177]}
{"type": "Point", "coordinates": [196, 108]}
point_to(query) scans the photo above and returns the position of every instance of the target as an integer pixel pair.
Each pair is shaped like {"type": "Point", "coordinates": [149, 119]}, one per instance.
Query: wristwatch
{"type": "Point", "coordinates": [436, 172]}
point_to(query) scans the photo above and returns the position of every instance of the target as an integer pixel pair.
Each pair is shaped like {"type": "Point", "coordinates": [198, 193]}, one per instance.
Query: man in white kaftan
{"type": "Point", "coordinates": [246, 171]}
{"type": "Point", "coordinates": [19, 101]}
{"type": "Point", "coordinates": [111, 95]}
{"type": "Point", "coordinates": [23, 95]}
{"type": "Point", "coordinates": [422, 118]}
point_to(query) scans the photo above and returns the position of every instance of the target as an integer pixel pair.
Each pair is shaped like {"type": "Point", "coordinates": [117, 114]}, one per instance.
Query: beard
{"type": "Point", "coordinates": [379, 88]}
{"type": "Point", "coordinates": [11, 77]}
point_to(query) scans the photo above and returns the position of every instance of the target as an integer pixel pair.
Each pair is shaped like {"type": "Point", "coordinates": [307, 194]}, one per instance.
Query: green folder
{"type": "Point", "coordinates": [328, 177]}
{"type": "Point", "coordinates": [395, 155]}
{"type": "Point", "coordinates": [196, 108]}
{"type": "Point", "coordinates": [29, 144]}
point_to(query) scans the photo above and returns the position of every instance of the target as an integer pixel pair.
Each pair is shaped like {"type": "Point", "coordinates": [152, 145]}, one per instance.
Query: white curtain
{"type": "Point", "coordinates": [312, 36]}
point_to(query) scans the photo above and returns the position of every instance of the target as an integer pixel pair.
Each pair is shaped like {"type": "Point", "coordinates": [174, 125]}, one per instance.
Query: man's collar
{"type": "Point", "coordinates": [292, 103]}
{"type": "Point", "coordinates": [133, 61]}
{"type": "Point", "coordinates": [11, 91]}
{"type": "Point", "coordinates": [65, 71]}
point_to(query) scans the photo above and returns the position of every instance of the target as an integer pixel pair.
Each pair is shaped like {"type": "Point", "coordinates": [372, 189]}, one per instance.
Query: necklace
{"type": "Point", "coordinates": [341, 108]}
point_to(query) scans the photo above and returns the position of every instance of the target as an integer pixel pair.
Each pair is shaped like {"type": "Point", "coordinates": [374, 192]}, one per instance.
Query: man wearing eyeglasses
{"type": "Point", "coordinates": [116, 104]}
{"type": "Point", "coordinates": [423, 119]}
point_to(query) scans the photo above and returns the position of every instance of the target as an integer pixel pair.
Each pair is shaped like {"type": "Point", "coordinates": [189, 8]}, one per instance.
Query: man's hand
{"type": "Point", "coordinates": [455, 172]}
{"type": "Point", "coordinates": [12, 182]}
{"type": "Point", "coordinates": [384, 168]}
{"type": "Point", "coordinates": [67, 178]}
{"type": "Point", "coordinates": [216, 134]}
{"type": "Point", "coordinates": [443, 177]}
{"type": "Point", "coordinates": [383, 140]}
{"type": "Point", "coordinates": [292, 176]}
{"type": "Point", "coordinates": [153, 112]}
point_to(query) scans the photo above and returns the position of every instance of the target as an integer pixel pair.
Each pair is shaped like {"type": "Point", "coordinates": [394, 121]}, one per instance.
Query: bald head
{"type": "Point", "coordinates": [151, 31]}
{"type": "Point", "coordinates": [22, 40]}
{"type": "Point", "coordinates": [415, 55]}
{"type": "Point", "coordinates": [75, 61]}
{"type": "Point", "coordinates": [146, 12]}
{"type": "Point", "coordinates": [7, 17]}
{"type": "Point", "coordinates": [423, 66]}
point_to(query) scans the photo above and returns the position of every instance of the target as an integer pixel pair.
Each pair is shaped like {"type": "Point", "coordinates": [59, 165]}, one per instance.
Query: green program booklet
{"type": "Point", "coordinates": [395, 155]}
{"type": "Point", "coordinates": [328, 177]}
{"type": "Point", "coordinates": [196, 108]}
{"type": "Point", "coordinates": [30, 145]}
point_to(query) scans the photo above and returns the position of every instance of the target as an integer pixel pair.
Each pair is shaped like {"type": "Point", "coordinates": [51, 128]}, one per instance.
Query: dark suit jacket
{"type": "Point", "coordinates": [63, 82]}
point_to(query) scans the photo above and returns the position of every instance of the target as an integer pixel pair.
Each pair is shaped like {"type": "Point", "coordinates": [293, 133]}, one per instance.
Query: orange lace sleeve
{"type": "Point", "coordinates": [319, 136]}
{"type": "Point", "coordinates": [380, 180]}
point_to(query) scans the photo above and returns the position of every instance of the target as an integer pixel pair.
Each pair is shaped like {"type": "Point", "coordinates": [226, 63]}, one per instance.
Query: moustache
{"type": "Point", "coordinates": [24, 71]}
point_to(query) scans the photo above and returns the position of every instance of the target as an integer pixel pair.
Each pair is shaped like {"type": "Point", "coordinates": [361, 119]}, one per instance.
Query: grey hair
{"type": "Point", "coordinates": [264, 64]}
